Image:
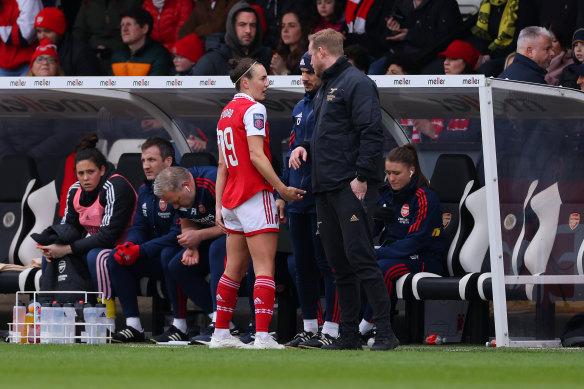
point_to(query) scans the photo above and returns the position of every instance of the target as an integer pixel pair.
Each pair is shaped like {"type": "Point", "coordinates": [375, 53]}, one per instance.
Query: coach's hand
{"type": "Point", "coordinates": [289, 193]}
{"type": "Point", "coordinates": [281, 205]}
{"type": "Point", "coordinates": [359, 188]}
{"type": "Point", "coordinates": [190, 257]}
{"type": "Point", "coordinates": [190, 239]}
{"type": "Point", "coordinates": [297, 156]}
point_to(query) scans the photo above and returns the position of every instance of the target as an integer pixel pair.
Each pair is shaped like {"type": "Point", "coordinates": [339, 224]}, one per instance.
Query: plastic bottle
{"type": "Point", "coordinates": [34, 319]}
{"type": "Point", "coordinates": [58, 332]}
{"type": "Point", "coordinates": [100, 328]}
{"type": "Point", "coordinates": [90, 318]}
{"type": "Point", "coordinates": [18, 314]}
{"type": "Point", "coordinates": [491, 343]}
{"type": "Point", "coordinates": [435, 339]}
{"type": "Point", "coordinates": [70, 316]}
{"type": "Point", "coordinates": [47, 323]}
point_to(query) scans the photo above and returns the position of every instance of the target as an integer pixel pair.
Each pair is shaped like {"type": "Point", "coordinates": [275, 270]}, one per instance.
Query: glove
{"type": "Point", "coordinates": [126, 254]}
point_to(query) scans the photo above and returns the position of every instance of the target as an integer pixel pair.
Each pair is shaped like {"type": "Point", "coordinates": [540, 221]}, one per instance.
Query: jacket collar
{"type": "Point", "coordinates": [335, 69]}
{"type": "Point", "coordinates": [523, 60]}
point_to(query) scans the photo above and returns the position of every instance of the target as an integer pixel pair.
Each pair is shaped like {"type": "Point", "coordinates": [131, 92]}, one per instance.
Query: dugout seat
{"type": "Point", "coordinates": [130, 166]}
{"type": "Point", "coordinates": [122, 146]}
{"type": "Point", "coordinates": [201, 158]}
{"type": "Point", "coordinates": [20, 177]}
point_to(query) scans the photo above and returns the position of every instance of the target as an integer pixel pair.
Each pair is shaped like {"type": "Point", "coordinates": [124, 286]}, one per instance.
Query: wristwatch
{"type": "Point", "coordinates": [361, 178]}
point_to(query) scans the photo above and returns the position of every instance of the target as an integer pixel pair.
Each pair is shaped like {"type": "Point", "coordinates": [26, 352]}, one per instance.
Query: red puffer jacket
{"type": "Point", "coordinates": [17, 31]}
{"type": "Point", "coordinates": [166, 23]}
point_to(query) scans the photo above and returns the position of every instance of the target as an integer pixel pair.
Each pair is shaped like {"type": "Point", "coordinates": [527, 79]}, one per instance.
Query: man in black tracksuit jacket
{"type": "Point", "coordinates": [346, 152]}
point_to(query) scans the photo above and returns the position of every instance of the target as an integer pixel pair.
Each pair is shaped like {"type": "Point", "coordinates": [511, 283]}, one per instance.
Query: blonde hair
{"type": "Point", "coordinates": [329, 39]}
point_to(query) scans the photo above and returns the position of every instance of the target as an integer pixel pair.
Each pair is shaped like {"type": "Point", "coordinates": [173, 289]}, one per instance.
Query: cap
{"type": "Point", "coordinates": [51, 18]}
{"type": "Point", "coordinates": [189, 47]}
{"type": "Point", "coordinates": [46, 47]}
{"type": "Point", "coordinates": [578, 36]}
{"type": "Point", "coordinates": [305, 62]}
{"type": "Point", "coordinates": [461, 50]}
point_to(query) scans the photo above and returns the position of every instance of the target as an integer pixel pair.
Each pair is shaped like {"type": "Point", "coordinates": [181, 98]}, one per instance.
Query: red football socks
{"type": "Point", "coordinates": [264, 292]}
{"type": "Point", "coordinates": [226, 299]}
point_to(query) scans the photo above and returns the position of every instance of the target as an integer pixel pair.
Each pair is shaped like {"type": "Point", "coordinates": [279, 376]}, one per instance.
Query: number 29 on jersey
{"type": "Point", "coordinates": [228, 146]}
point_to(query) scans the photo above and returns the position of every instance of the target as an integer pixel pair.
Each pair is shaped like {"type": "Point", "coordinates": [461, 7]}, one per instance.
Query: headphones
{"type": "Point", "coordinates": [411, 173]}
{"type": "Point", "coordinates": [187, 188]}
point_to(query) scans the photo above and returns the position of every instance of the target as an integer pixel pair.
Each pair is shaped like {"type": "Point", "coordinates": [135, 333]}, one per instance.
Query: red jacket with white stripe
{"type": "Point", "coordinates": [17, 33]}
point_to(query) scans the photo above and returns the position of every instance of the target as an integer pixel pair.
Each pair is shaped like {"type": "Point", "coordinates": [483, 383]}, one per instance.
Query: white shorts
{"type": "Point", "coordinates": [257, 215]}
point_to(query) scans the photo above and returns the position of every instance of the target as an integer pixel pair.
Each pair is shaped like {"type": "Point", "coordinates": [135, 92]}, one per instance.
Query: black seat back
{"type": "Point", "coordinates": [452, 174]}
{"type": "Point", "coordinates": [198, 159]}
{"type": "Point", "coordinates": [130, 166]}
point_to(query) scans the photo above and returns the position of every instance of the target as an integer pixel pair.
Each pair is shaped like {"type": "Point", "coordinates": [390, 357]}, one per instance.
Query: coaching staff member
{"type": "Point", "coordinates": [346, 152]}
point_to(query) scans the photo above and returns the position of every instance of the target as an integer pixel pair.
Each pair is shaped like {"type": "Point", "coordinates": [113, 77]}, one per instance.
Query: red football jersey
{"type": "Point", "coordinates": [241, 118]}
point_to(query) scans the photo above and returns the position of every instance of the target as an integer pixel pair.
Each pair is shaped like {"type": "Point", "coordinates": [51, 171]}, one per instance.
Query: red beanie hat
{"type": "Point", "coordinates": [189, 47]}
{"type": "Point", "coordinates": [260, 12]}
{"type": "Point", "coordinates": [51, 18]}
{"type": "Point", "coordinates": [461, 50]}
{"type": "Point", "coordinates": [45, 48]}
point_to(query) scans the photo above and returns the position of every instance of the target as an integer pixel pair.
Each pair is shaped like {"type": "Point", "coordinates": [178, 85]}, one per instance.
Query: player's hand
{"type": "Point", "coordinates": [55, 251]}
{"type": "Point", "coordinates": [297, 156]}
{"type": "Point", "coordinates": [280, 206]}
{"type": "Point", "coordinates": [190, 239]}
{"type": "Point", "coordinates": [190, 257]}
{"type": "Point", "coordinates": [359, 188]}
{"type": "Point", "coordinates": [219, 219]}
{"type": "Point", "coordinates": [290, 193]}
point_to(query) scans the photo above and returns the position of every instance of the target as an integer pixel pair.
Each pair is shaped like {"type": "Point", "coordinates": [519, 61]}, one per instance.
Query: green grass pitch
{"type": "Point", "coordinates": [144, 366]}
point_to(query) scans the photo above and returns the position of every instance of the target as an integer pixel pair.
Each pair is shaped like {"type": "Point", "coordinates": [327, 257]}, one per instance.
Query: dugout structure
{"type": "Point", "coordinates": [521, 253]}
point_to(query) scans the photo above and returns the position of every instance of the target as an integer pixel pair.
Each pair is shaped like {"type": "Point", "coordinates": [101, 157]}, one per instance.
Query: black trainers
{"type": "Point", "coordinates": [128, 334]}
{"type": "Point", "coordinates": [172, 334]}
{"type": "Point", "coordinates": [299, 338]}
{"type": "Point", "coordinates": [345, 342]}
{"type": "Point", "coordinates": [318, 341]}
{"type": "Point", "coordinates": [205, 336]}
{"type": "Point", "coordinates": [385, 343]}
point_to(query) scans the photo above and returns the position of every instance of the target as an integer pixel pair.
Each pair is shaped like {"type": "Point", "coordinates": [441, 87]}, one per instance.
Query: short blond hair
{"type": "Point", "coordinates": [329, 39]}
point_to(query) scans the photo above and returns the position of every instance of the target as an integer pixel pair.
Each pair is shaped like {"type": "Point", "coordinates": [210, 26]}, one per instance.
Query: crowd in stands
{"type": "Point", "coordinates": [199, 37]}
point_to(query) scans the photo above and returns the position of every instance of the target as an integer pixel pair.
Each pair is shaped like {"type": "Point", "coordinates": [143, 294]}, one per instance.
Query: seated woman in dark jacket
{"type": "Point", "coordinates": [410, 220]}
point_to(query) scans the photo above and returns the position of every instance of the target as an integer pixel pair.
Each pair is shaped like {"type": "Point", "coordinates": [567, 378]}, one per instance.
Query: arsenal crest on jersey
{"type": "Point", "coordinates": [202, 208]}
{"type": "Point", "coordinates": [405, 210]}
{"type": "Point", "coordinates": [574, 220]}
{"type": "Point", "coordinates": [446, 219]}
{"type": "Point", "coordinates": [162, 205]}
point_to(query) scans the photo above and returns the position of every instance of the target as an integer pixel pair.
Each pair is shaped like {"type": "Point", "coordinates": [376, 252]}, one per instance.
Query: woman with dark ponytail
{"type": "Point", "coordinates": [410, 222]}
{"type": "Point", "coordinates": [100, 205]}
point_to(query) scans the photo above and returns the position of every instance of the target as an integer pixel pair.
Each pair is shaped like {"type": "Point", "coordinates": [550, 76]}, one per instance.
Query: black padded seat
{"type": "Point", "coordinates": [130, 166]}
{"type": "Point", "coordinates": [201, 158]}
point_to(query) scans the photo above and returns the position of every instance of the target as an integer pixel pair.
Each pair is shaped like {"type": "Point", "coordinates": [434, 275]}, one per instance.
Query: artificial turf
{"type": "Point", "coordinates": [142, 366]}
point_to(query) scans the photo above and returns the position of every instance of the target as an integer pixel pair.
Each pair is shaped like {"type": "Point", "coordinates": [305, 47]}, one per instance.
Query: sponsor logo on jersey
{"type": "Point", "coordinates": [258, 121]}
{"type": "Point", "coordinates": [354, 218]}
{"type": "Point", "coordinates": [446, 217]}
{"type": "Point", "coordinates": [405, 210]}
{"type": "Point", "coordinates": [162, 205]}
{"type": "Point", "coordinates": [574, 220]}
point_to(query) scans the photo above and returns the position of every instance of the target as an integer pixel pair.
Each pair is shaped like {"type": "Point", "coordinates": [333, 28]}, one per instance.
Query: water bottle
{"type": "Point", "coordinates": [70, 316]}
{"type": "Point", "coordinates": [58, 331]}
{"type": "Point", "coordinates": [435, 339]}
{"type": "Point", "coordinates": [491, 343]}
{"type": "Point", "coordinates": [32, 320]}
{"type": "Point", "coordinates": [100, 328]}
{"type": "Point", "coordinates": [18, 314]}
{"type": "Point", "coordinates": [90, 318]}
{"type": "Point", "coordinates": [47, 322]}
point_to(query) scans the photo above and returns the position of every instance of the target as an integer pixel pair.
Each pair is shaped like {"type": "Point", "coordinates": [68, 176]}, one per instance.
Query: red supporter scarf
{"type": "Point", "coordinates": [356, 15]}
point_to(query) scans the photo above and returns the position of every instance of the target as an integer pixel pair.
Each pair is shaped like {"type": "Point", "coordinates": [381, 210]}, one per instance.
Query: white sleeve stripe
{"type": "Point", "coordinates": [110, 202]}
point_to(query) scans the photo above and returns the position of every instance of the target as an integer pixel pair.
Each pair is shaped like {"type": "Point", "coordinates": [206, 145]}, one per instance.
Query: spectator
{"type": "Point", "coordinates": [17, 35]}
{"type": "Point", "coordinates": [329, 14]}
{"type": "Point", "coordinates": [44, 61]}
{"type": "Point", "coordinates": [569, 76]}
{"type": "Point", "coordinates": [168, 16]}
{"type": "Point", "coordinates": [273, 11]}
{"type": "Point", "coordinates": [75, 57]}
{"type": "Point", "coordinates": [207, 18]}
{"type": "Point", "coordinates": [98, 24]}
{"type": "Point", "coordinates": [344, 173]}
{"type": "Point", "coordinates": [562, 51]}
{"type": "Point", "coordinates": [150, 241]}
{"type": "Point", "coordinates": [579, 70]}
{"type": "Point", "coordinates": [365, 25]}
{"type": "Point", "coordinates": [509, 59]}
{"type": "Point", "coordinates": [359, 57]}
{"type": "Point", "coordinates": [497, 30]}
{"type": "Point", "coordinates": [397, 64]}
{"type": "Point", "coordinates": [186, 52]}
{"type": "Point", "coordinates": [411, 237]}
{"type": "Point", "coordinates": [242, 39]}
{"type": "Point", "coordinates": [310, 263]}
{"type": "Point", "coordinates": [293, 43]}
{"type": "Point", "coordinates": [140, 55]}
{"type": "Point", "coordinates": [459, 58]}
{"type": "Point", "coordinates": [534, 54]}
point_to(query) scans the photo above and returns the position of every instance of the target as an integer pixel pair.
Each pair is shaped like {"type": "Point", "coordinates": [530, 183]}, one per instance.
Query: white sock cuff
{"type": "Point", "coordinates": [311, 325]}
{"type": "Point", "coordinates": [135, 323]}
